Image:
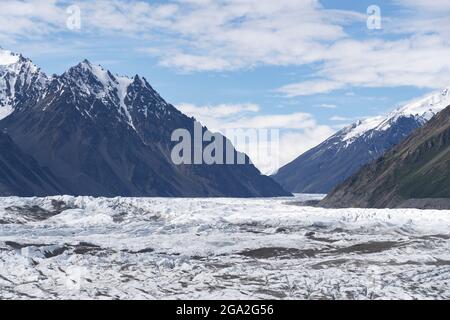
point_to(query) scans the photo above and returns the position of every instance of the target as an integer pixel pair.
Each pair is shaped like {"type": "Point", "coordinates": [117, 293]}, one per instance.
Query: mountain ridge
{"type": "Point", "coordinates": [413, 174]}
{"type": "Point", "coordinates": [21, 82]}
{"type": "Point", "coordinates": [325, 166]}
{"type": "Point", "coordinates": [105, 135]}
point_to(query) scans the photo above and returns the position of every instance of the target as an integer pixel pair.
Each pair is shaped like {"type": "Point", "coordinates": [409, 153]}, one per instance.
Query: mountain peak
{"type": "Point", "coordinates": [428, 105]}
{"type": "Point", "coordinates": [413, 174]}
{"type": "Point", "coordinates": [86, 62]}
{"type": "Point", "coordinates": [95, 81]}
{"type": "Point", "coordinates": [423, 109]}
{"type": "Point", "coordinates": [20, 82]}
{"type": "Point", "coordinates": [86, 66]}
{"type": "Point", "coordinates": [89, 76]}
{"type": "Point", "coordinates": [104, 135]}
{"type": "Point", "coordinates": [16, 63]}
{"type": "Point", "coordinates": [324, 167]}
{"type": "Point", "coordinates": [7, 57]}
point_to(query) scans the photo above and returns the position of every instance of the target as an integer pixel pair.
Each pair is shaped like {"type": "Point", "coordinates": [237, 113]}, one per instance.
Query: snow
{"type": "Point", "coordinates": [6, 60]}
{"type": "Point", "coordinates": [122, 88]}
{"type": "Point", "coordinates": [7, 57]}
{"type": "Point", "coordinates": [112, 86]}
{"type": "Point", "coordinates": [362, 127]}
{"type": "Point", "coordinates": [101, 75]}
{"type": "Point", "coordinates": [423, 109]}
{"type": "Point", "coordinates": [429, 105]}
{"type": "Point", "coordinates": [155, 248]}
{"type": "Point", "coordinates": [5, 111]}
{"type": "Point", "coordinates": [16, 73]}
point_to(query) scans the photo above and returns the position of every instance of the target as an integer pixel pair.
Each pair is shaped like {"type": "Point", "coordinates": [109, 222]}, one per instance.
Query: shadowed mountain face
{"type": "Point", "coordinates": [416, 173]}
{"type": "Point", "coordinates": [320, 169]}
{"type": "Point", "coordinates": [324, 167]}
{"type": "Point", "coordinates": [104, 135]}
{"type": "Point", "coordinates": [21, 175]}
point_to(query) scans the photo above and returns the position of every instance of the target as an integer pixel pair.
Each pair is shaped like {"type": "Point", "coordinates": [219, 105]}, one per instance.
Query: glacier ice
{"type": "Point", "coordinates": [155, 248]}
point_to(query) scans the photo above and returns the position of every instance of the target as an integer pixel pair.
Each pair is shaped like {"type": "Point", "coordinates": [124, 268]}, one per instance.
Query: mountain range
{"type": "Point", "coordinates": [89, 132]}
{"type": "Point", "coordinates": [324, 167]}
{"type": "Point", "coordinates": [415, 173]}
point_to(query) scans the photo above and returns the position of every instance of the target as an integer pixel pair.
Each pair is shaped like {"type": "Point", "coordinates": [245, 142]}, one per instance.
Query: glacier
{"type": "Point", "coordinates": [195, 248]}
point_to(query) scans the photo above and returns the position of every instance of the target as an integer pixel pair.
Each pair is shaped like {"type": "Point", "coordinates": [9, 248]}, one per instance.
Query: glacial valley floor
{"type": "Point", "coordinates": [153, 248]}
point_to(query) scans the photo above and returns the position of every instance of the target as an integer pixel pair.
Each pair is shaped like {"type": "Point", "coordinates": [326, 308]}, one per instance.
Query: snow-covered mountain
{"type": "Point", "coordinates": [421, 110]}
{"type": "Point", "coordinates": [104, 135]}
{"type": "Point", "coordinates": [21, 82]}
{"type": "Point", "coordinates": [415, 173]}
{"type": "Point", "coordinates": [320, 169]}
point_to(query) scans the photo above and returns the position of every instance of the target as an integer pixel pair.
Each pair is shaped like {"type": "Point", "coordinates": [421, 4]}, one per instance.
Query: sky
{"type": "Point", "coordinates": [304, 67]}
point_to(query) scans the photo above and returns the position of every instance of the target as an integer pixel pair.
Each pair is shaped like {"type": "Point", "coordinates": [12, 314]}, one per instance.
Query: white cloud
{"type": "Point", "coordinates": [340, 118]}
{"type": "Point", "coordinates": [418, 61]}
{"type": "Point", "coordinates": [221, 110]}
{"type": "Point", "coordinates": [188, 62]}
{"type": "Point", "coordinates": [293, 144]}
{"type": "Point", "coordinates": [309, 88]}
{"type": "Point", "coordinates": [247, 33]}
{"type": "Point", "coordinates": [196, 35]}
{"type": "Point", "coordinates": [298, 132]}
{"type": "Point", "coordinates": [425, 5]}
{"type": "Point", "coordinates": [297, 121]}
{"type": "Point", "coordinates": [31, 18]}
{"type": "Point", "coordinates": [225, 35]}
{"type": "Point", "coordinates": [327, 106]}
{"type": "Point", "coordinates": [217, 117]}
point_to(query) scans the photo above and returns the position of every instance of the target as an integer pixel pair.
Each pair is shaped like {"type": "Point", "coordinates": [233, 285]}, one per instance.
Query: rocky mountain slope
{"type": "Point", "coordinates": [416, 173]}
{"type": "Point", "coordinates": [322, 168]}
{"type": "Point", "coordinates": [21, 175]}
{"type": "Point", "coordinates": [21, 82]}
{"type": "Point", "coordinates": [105, 135]}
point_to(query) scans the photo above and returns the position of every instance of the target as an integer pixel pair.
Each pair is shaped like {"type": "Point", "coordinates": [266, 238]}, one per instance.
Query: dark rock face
{"type": "Point", "coordinates": [21, 175]}
{"type": "Point", "coordinates": [101, 135]}
{"type": "Point", "coordinates": [322, 168]}
{"type": "Point", "coordinates": [416, 173]}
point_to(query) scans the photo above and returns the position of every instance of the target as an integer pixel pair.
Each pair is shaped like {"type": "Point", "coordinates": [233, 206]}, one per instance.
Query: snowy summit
{"type": "Point", "coordinates": [7, 57]}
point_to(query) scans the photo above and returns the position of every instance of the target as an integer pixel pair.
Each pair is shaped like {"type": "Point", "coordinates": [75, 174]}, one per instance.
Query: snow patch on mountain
{"type": "Point", "coordinates": [7, 57]}
{"type": "Point", "coordinates": [122, 88]}
{"type": "Point", "coordinates": [115, 85]}
{"type": "Point", "coordinates": [322, 168]}
{"type": "Point", "coordinates": [5, 111]}
{"type": "Point", "coordinates": [95, 80]}
{"type": "Point", "coordinates": [359, 128]}
{"type": "Point", "coordinates": [423, 110]}
{"type": "Point", "coordinates": [20, 80]}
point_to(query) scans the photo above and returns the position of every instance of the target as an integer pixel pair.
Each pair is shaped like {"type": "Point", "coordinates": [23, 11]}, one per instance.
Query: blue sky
{"type": "Point", "coordinates": [307, 66]}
